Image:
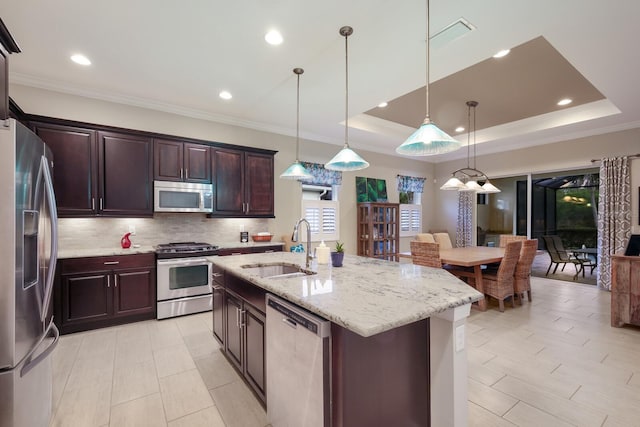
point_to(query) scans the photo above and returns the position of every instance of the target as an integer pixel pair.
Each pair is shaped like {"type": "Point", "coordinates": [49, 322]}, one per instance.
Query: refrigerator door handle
{"type": "Point", "coordinates": [30, 362]}
{"type": "Point", "coordinates": [53, 215]}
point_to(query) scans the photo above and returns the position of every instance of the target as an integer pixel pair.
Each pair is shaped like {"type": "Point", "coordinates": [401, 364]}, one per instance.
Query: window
{"type": "Point", "coordinates": [410, 220]}
{"type": "Point", "coordinates": [323, 216]}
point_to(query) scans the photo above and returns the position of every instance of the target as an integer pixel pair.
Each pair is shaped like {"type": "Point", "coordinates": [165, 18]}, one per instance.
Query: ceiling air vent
{"type": "Point", "coordinates": [451, 32]}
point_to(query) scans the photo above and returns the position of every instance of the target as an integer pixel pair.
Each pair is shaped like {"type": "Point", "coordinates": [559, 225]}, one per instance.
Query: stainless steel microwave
{"type": "Point", "coordinates": [172, 196]}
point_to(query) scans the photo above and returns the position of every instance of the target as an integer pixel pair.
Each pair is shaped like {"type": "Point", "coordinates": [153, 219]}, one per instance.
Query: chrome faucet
{"type": "Point", "coordinates": [294, 238]}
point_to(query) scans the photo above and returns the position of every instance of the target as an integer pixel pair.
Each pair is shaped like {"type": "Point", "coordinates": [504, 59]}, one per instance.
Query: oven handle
{"type": "Point", "coordinates": [183, 262]}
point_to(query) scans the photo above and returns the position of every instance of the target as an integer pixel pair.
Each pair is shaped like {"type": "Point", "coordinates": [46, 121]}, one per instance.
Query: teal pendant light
{"type": "Point", "coordinates": [346, 159]}
{"type": "Point", "coordinates": [297, 171]}
{"type": "Point", "coordinates": [428, 139]}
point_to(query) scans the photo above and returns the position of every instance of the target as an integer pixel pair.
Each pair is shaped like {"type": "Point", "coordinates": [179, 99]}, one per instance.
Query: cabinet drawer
{"type": "Point", "coordinates": [83, 265]}
{"type": "Point", "coordinates": [218, 275]}
{"type": "Point", "coordinates": [263, 249]}
{"type": "Point", "coordinates": [250, 293]}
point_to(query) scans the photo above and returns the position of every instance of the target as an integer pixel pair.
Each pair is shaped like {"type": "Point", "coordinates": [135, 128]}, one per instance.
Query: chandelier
{"type": "Point", "coordinates": [469, 178]}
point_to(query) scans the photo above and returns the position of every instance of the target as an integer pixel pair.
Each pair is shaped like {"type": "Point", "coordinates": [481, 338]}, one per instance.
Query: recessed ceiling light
{"type": "Point", "coordinates": [273, 37]}
{"type": "Point", "coordinates": [225, 95]}
{"type": "Point", "coordinates": [460, 129]}
{"type": "Point", "coordinates": [80, 59]}
{"type": "Point", "coordinates": [565, 101]}
{"type": "Point", "coordinates": [382, 105]}
{"type": "Point", "coordinates": [502, 53]}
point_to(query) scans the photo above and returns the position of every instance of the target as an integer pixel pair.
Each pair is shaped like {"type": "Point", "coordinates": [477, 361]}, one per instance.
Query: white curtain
{"type": "Point", "coordinates": [464, 232]}
{"type": "Point", "coordinates": [614, 214]}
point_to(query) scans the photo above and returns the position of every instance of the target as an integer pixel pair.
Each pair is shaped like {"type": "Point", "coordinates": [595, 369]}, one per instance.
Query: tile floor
{"type": "Point", "coordinates": [553, 362]}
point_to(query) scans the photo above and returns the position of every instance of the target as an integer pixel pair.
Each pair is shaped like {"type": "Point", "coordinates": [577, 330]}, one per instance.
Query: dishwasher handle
{"type": "Point", "coordinates": [296, 317]}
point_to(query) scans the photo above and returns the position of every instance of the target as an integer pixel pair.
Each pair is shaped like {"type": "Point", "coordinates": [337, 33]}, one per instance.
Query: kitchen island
{"type": "Point", "coordinates": [397, 331]}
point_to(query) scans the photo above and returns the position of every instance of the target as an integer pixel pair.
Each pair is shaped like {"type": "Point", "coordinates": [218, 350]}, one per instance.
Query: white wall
{"type": "Point", "coordinates": [561, 156]}
{"type": "Point", "coordinates": [287, 193]}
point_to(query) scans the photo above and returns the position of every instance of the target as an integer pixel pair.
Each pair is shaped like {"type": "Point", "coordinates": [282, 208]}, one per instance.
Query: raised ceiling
{"type": "Point", "coordinates": [177, 57]}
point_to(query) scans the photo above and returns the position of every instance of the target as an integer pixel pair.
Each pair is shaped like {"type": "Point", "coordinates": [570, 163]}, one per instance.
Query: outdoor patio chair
{"type": "Point", "coordinates": [559, 255]}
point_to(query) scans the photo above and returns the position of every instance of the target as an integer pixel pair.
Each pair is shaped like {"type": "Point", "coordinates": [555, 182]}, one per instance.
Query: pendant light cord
{"type": "Point", "coordinates": [346, 89]}
{"type": "Point", "coordinates": [298, 119]}
{"type": "Point", "coordinates": [427, 118]}
{"type": "Point", "coordinates": [468, 134]}
{"type": "Point", "coordinates": [474, 134]}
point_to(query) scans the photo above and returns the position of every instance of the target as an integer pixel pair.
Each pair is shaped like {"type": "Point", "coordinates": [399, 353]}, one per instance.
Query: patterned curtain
{"type": "Point", "coordinates": [322, 176]}
{"type": "Point", "coordinates": [410, 183]}
{"type": "Point", "coordinates": [614, 214]}
{"type": "Point", "coordinates": [464, 232]}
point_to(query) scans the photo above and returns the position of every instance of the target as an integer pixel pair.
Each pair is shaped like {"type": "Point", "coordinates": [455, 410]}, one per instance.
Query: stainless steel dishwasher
{"type": "Point", "coordinates": [298, 366]}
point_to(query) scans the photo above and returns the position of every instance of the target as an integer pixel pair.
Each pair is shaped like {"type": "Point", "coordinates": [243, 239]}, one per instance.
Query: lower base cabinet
{"type": "Point", "coordinates": [95, 292]}
{"type": "Point", "coordinates": [239, 325]}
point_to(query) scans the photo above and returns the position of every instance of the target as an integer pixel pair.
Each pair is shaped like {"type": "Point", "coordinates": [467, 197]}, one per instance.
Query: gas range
{"type": "Point", "coordinates": [185, 249]}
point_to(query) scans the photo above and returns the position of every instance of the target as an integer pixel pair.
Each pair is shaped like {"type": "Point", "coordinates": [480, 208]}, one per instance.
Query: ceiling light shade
{"type": "Point", "coordinates": [466, 179]}
{"type": "Point", "coordinates": [472, 185]}
{"type": "Point", "coordinates": [428, 140]}
{"type": "Point", "coordinates": [488, 187]}
{"type": "Point", "coordinates": [296, 171]}
{"type": "Point", "coordinates": [346, 159]}
{"type": "Point", "coordinates": [453, 184]}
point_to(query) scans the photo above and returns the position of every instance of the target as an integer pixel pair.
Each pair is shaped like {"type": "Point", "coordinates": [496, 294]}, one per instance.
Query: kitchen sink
{"type": "Point", "coordinates": [276, 270]}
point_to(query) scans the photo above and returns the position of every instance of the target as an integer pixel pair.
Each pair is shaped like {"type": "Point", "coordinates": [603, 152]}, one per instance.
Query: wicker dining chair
{"type": "Point", "coordinates": [425, 237]}
{"type": "Point", "coordinates": [443, 240]}
{"type": "Point", "coordinates": [425, 254]}
{"type": "Point", "coordinates": [506, 238]}
{"type": "Point", "coordinates": [522, 274]}
{"type": "Point", "coordinates": [500, 285]}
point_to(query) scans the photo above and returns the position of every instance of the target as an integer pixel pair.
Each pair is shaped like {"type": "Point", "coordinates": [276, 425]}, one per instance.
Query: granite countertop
{"type": "Point", "coordinates": [90, 252]}
{"type": "Point", "coordinates": [143, 249]}
{"type": "Point", "coordinates": [366, 296]}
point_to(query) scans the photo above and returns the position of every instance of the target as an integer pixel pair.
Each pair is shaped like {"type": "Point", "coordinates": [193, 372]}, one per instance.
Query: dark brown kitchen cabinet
{"type": "Point", "coordinates": [95, 292]}
{"type": "Point", "coordinates": [99, 173]}
{"type": "Point", "coordinates": [75, 167]}
{"type": "Point", "coordinates": [242, 306]}
{"type": "Point", "coordinates": [218, 305]}
{"type": "Point", "coordinates": [233, 344]}
{"type": "Point", "coordinates": [243, 183]}
{"type": "Point", "coordinates": [181, 161]}
{"type": "Point", "coordinates": [125, 169]}
{"type": "Point", "coordinates": [7, 46]}
{"type": "Point", "coordinates": [251, 250]}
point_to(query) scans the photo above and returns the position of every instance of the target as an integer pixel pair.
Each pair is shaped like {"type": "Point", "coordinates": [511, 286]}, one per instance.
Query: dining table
{"type": "Point", "coordinates": [476, 257]}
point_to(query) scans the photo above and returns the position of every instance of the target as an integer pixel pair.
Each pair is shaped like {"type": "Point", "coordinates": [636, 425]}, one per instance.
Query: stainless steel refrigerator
{"type": "Point", "coordinates": [28, 253]}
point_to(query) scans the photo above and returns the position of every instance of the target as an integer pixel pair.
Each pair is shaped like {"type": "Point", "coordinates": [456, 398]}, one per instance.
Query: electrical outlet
{"type": "Point", "coordinates": [132, 229]}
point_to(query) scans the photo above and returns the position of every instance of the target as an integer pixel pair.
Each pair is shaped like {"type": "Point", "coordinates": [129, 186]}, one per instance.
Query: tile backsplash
{"type": "Point", "coordinates": [79, 233]}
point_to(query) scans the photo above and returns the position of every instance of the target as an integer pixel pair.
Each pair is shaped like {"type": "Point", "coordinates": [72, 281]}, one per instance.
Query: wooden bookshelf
{"type": "Point", "coordinates": [379, 230]}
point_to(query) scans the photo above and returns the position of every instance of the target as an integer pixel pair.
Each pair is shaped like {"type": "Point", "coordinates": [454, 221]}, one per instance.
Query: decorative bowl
{"type": "Point", "coordinates": [262, 238]}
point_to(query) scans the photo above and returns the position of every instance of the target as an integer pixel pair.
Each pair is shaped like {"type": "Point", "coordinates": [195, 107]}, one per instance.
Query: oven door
{"type": "Point", "coordinates": [183, 277]}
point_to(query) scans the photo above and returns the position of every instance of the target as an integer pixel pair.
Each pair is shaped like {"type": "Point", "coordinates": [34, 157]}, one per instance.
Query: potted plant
{"type": "Point", "coordinates": [338, 255]}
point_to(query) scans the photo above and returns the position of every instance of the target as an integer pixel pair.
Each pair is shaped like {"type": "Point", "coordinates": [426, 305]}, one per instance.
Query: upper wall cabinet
{"type": "Point", "coordinates": [181, 161]}
{"type": "Point", "coordinates": [7, 46]}
{"type": "Point", "coordinates": [243, 183]}
{"type": "Point", "coordinates": [75, 167]}
{"type": "Point", "coordinates": [99, 173]}
{"type": "Point", "coordinates": [124, 166]}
